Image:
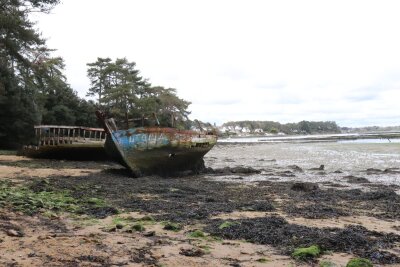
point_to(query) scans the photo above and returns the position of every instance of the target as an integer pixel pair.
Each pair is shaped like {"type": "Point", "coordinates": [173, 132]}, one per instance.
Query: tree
{"type": "Point", "coordinates": [33, 88]}
{"type": "Point", "coordinates": [98, 74]}
{"type": "Point", "coordinates": [20, 49]}
{"type": "Point", "coordinates": [125, 94]}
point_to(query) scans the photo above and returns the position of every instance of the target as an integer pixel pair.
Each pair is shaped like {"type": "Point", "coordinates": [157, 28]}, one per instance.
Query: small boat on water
{"type": "Point", "coordinates": [154, 149]}
{"type": "Point", "coordinates": [67, 142]}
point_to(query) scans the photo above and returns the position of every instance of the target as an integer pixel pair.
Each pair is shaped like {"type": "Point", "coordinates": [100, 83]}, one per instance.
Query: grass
{"type": "Point", "coordinates": [359, 262]}
{"type": "Point", "coordinates": [307, 253]}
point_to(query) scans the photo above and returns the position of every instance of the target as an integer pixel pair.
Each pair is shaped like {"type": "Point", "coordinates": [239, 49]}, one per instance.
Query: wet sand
{"type": "Point", "coordinates": [273, 199]}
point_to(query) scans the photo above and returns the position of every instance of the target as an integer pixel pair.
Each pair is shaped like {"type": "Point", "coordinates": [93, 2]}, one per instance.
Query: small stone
{"type": "Point", "coordinates": [12, 232]}
{"type": "Point", "coordinates": [151, 233]}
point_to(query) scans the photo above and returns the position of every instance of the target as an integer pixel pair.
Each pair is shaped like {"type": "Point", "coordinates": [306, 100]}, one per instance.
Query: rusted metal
{"type": "Point", "coordinates": [161, 150]}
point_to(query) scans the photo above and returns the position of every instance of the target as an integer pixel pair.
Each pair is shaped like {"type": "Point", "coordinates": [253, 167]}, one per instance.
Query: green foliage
{"type": "Point", "coordinates": [303, 127]}
{"type": "Point", "coordinates": [306, 253]}
{"type": "Point", "coordinates": [197, 234]}
{"type": "Point", "coordinates": [172, 226]}
{"type": "Point", "coordinates": [121, 91]}
{"type": "Point", "coordinates": [359, 262]}
{"type": "Point", "coordinates": [138, 227]}
{"type": "Point", "coordinates": [33, 89]}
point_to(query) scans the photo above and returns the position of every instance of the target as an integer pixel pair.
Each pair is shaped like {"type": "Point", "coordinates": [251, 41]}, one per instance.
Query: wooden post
{"type": "Point", "coordinates": [40, 136]}
{"type": "Point", "coordinates": [58, 136]}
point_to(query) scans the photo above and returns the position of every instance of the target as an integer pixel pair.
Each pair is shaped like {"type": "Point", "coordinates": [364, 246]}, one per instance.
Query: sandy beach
{"type": "Point", "coordinates": [253, 206]}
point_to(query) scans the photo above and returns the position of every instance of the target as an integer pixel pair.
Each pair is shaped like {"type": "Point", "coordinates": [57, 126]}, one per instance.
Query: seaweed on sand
{"type": "Point", "coordinates": [277, 232]}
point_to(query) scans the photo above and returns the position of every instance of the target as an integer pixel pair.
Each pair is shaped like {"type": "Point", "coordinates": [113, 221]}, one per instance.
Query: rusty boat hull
{"type": "Point", "coordinates": [159, 150]}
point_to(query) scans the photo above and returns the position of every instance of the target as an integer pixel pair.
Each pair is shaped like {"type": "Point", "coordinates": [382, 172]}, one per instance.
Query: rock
{"type": "Point", "coordinates": [356, 180]}
{"type": "Point", "coordinates": [392, 170]}
{"type": "Point", "coordinates": [373, 171]}
{"type": "Point", "coordinates": [192, 252]}
{"type": "Point", "coordinates": [296, 168]}
{"type": "Point", "coordinates": [13, 232]}
{"type": "Point", "coordinates": [241, 170]}
{"type": "Point", "coordinates": [119, 226]}
{"type": "Point", "coordinates": [304, 186]}
{"type": "Point", "coordinates": [245, 170]}
{"type": "Point", "coordinates": [320, 168]}
{"type": "Point", "coordinates": [148, 234]}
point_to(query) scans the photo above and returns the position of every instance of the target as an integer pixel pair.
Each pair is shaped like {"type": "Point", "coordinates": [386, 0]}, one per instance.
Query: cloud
{"type": "Point", "coordinates": [263, 60]}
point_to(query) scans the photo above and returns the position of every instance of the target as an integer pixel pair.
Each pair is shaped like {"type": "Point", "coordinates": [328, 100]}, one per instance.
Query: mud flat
{"type": "Point", "coordinates": [251, 207]}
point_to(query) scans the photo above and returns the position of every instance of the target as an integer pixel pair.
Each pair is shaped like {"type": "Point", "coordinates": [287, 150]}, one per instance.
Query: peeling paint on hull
{"type": "Point", "coordinates": [149, 150]}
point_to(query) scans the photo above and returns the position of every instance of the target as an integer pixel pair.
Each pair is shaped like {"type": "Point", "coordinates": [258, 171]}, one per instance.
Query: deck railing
{"type": "Point", "coordinates": [49, 135]}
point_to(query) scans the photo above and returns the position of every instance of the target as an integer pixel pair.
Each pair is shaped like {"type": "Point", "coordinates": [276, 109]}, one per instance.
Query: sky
{"type": "Point", "coordinates": [283, 60]}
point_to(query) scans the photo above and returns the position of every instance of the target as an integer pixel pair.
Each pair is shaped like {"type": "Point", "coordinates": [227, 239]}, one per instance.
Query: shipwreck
{"type": "Point", "coordinates": [155, 149]}
{"type": "Point", "coordinates": [67, 142]}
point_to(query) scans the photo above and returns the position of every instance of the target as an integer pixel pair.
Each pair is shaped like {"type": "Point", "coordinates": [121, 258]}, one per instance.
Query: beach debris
{"type": "Point", "coordinates": [392, 170]}
{"type": "Point", "coordinates": [359, 262]}
{"type": "Point", "coordinates": [304, 186]}
{"type": "Point", "coordinates": [370, 171]}
{"type": "Point", "coordinates": [15, 233]}
{"type": "Point", "coordinates": [235, 170]}
{"type": "Point", "coordinates": [286, 173]}
{"type": "Point", "coordinates": [320, 168]}
{"type": "Point", "coordinates": [150, 233]}
{"type": "Point", "coordinates": [296, 168]}
{"type": "Point", "coordinates": [145, 256]}
{"type": "Point", "coordinates": [192, 252]}
{"type": "Point", "coordinates": [356, 180]}
{"type": "Point", "coordinates": [306, 253]}
{"type": "Point", "coordinates": [95, 259]}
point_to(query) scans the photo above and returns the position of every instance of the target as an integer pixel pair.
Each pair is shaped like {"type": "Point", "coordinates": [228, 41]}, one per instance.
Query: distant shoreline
{"type": "Point", "coordinates": [311, 138]}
